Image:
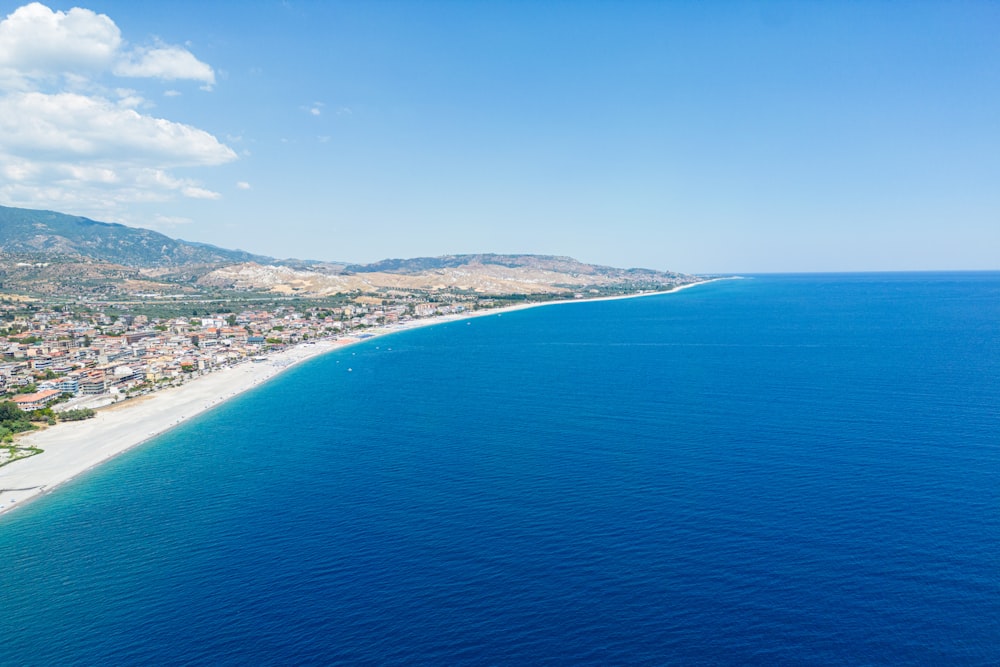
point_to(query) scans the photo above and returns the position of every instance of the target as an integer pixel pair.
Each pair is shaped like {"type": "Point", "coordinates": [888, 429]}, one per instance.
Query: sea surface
{"type": "Point", "coordinates": [785, 469]}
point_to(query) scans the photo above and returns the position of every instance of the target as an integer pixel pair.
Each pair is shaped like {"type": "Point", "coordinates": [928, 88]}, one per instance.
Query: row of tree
{"type": "Point", "coordinates": [15, 420]}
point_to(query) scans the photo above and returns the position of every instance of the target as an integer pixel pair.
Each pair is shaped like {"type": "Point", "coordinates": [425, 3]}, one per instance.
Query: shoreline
{"type": "Point", "coordinates": [123, 426]}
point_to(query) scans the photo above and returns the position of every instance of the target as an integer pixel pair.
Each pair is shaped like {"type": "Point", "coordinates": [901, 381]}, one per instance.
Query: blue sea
{"type": "Point", "coordinates": [784, 469]}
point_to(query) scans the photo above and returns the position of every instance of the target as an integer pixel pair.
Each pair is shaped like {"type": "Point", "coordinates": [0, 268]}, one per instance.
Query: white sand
{"type": "Point", "coordinates": [72, 448]}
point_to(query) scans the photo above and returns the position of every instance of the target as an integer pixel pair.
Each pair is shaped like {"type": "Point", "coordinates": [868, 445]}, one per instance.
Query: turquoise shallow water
{"type": "Point", "coordinates": [780, 470]}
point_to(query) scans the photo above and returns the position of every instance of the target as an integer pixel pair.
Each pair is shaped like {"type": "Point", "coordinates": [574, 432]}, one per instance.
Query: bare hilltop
{"type": "Point", "coordinates": [45, 254]}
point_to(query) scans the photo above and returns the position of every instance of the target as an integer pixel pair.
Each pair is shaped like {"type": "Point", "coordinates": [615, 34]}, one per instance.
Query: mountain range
{"type": "Point", "coordinates": [49, 253]}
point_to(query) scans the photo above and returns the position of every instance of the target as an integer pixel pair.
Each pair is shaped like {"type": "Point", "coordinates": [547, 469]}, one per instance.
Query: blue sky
{"type": "Point", "coordinates": [693, 136]}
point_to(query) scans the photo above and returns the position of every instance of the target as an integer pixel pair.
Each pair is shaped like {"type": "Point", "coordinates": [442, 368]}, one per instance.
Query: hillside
{"type": "Point", "coordinates": [479, 274]}
{"type": "Point", "coordinates": [27, 231]}
{"type": "Point", "coordinates": [566, 265]}
{"type": "Point", "coordinates": [44, 253]}
{"type": "Point", "coordinates": [49, 275]}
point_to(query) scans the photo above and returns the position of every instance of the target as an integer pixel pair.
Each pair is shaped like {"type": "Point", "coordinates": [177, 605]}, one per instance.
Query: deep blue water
{"type": "Point", "coordinates": [780, 470]}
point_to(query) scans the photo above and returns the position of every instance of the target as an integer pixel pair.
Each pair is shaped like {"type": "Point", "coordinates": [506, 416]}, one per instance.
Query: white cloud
{"type": "Point", "coordinates": [18, 170]}
{"type": "Point", "coordinates": [72, 125]}
{"type": "Point", "coordinates": [169, 63]}
{"type": "Point", "coordinates": [242, 185]}
{"type": "Point", "coordinates": [38, 43]}
{"type": "Point", "coordinates": [171, 93]}
{"type": "Point", "coordinates": [71, 138]}
{"type": "Point", "coordinates": [92, 174]}
{"type": "Point", "coordinates": [130, 99]}
{"type": "Point", "coordinates": [199, 193]}
{"type": "Point", "coordinates": [315, 109]}
{"type": "Point", "coordinates": [92, 189]}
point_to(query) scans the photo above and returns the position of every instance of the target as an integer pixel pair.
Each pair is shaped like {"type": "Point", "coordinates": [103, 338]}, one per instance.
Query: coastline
{"type": "Point", "coordinates": [123, 426]}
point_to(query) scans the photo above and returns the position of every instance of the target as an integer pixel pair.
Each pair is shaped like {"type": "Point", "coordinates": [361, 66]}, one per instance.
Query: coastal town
{"type": "Point", "coordinates": [114, 366]}
{"type": "Point", "coordinates": [94, 313]}
{"type": "Point", "coordinates": [52, 356]}
{"type": "Point", "coordinates": [111, 336]}
{"type": "Point", "coordinates": [123, 379]}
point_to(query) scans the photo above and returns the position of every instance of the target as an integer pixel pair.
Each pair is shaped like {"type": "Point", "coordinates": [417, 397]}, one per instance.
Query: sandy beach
{"type": "Point", "coordinates": [72, 448]}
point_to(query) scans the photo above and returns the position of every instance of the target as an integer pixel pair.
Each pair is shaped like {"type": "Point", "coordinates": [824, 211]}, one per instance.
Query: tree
{"type": "Point", "coordinates": [13, 419]}
{"type": "Point", "coordinates": [10, 412]}
{"type": "Point", "coordinates": [76, 415]}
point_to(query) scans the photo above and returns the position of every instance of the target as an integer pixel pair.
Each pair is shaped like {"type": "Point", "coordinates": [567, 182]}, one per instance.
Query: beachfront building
{"type": "Point", "coordinates": [69, 384]}
{"type": "Point", "coordinates": [93, 383]}
{"type": "Point", "coordinates": [36, 401]}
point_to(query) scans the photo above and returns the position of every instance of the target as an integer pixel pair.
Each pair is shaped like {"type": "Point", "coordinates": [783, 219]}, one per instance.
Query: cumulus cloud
{"type": "Point", "coordinates": [93, 128]}
{"type": "Point", "coordinates": [169, 63]}
{"type": "Point", "coordinates": [38, 43]}
{"type": "Point", "coordinates": [95, 189]}
{"type": "Point", "coordinates": [195, 192]}
{"type": "Point", "coordinates": [70, 137]}
{"type": "Point", "coordinates": [242, 185]}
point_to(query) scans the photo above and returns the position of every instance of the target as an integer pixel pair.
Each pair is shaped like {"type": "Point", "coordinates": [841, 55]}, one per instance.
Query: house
{"type": "Point", "coordinates": [36, 401]}
{"type": "Point", "coordinates": [69, 384]}
{"type": "Point", "coordinates": [93, 383]}
{"type": "Point", "coordinates": [40, 363]}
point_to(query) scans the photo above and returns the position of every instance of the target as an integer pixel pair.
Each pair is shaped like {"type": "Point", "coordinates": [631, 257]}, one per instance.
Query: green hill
{"type": "Point", "coordinates": [30, 231]}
